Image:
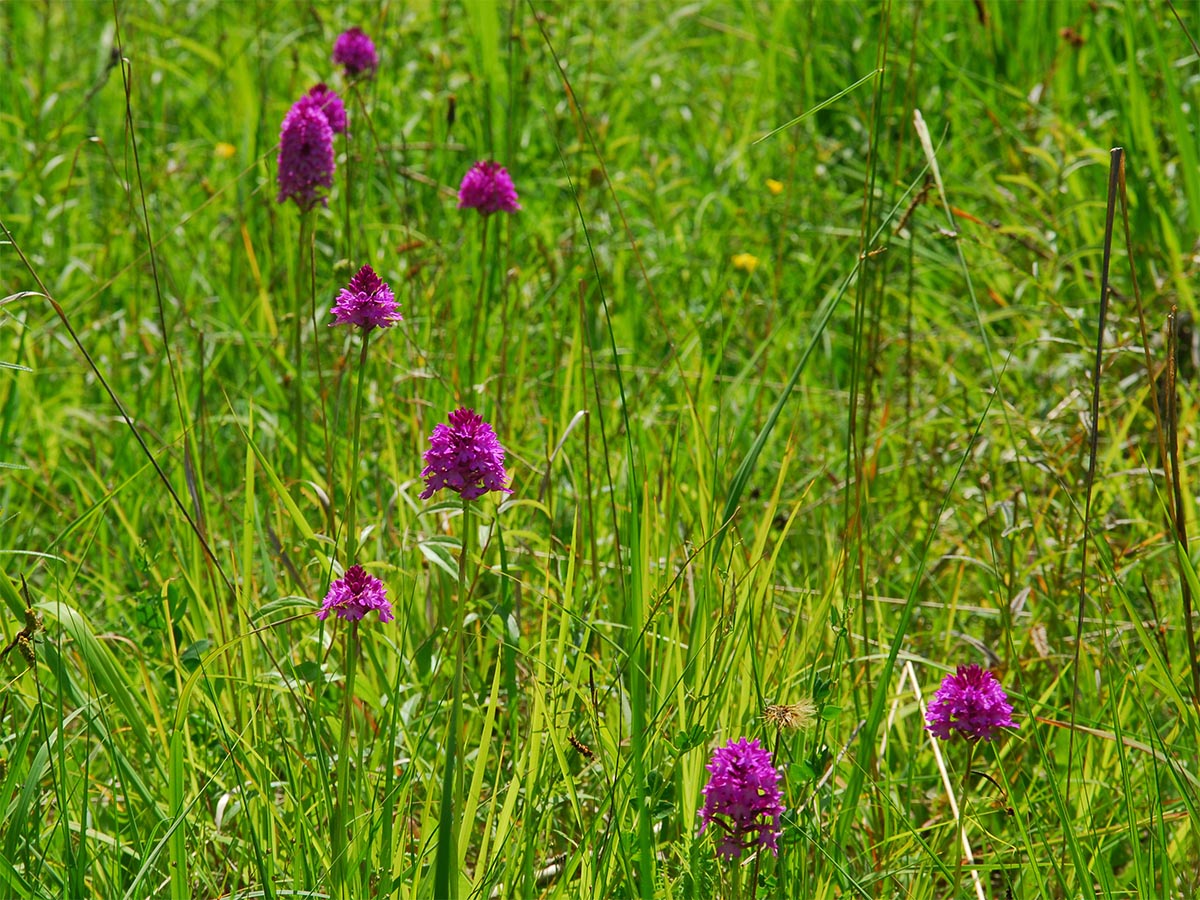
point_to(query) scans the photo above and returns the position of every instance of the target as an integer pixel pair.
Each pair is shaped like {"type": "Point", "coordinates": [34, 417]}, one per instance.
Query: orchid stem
{"type": "Point", "coordinates": [352, 484]}
{"type": "Point", "coordinates": [447, 863]}
{"type": "Point", "coordinates": [961, 831]}
{"type": "Point", "coordinates": [341, 809]}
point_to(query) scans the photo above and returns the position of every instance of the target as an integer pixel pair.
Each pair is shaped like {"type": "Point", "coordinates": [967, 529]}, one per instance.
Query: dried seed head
{"type": "Point", "coordinates": [791, 715]}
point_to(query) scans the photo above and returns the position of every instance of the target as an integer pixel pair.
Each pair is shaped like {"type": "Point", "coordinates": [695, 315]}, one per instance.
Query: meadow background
{"type": "Point", "coordinates": [787, 420]}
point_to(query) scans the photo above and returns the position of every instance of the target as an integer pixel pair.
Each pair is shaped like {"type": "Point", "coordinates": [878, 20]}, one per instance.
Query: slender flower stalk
{"type": "Point", "coordinates": [483, 308]}
{"type": "Point", "coordinates": [341, 838]}
{"type": "Point", "coordinates": [305, 172]}
{"type": "Point", "coordinates": [454, 775]}
{"type": "Point", "coordinates": [355, 53]}
{"type": "Point", "coordinates": [352, 483]}
{"type": "Point", "coordinates": [366, 302]}
{"type": "Point", "coordinates": [960, 833]}
{"type": "Point", "coordinates": [304, 284]}
{"type": "Point", "coordinates": [487, 188]}
{"type": "Point", "coordinates": [464, 457]}
{"type": "Point", "coordinates": [350, 597]}
{"type": "Point", "coordinates": [972, 703]}
{"type": "Point", "coordinates": [785, 717]}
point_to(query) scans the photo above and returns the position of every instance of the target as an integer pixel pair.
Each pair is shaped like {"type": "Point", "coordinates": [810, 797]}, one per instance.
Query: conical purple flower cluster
{"type": "Point", "coordinates": [488, 188]}
{"type": "Point", "coordinates": [305, 154]}
{"type": "Point", "coordinates": [971, 702]}
{"type": "Point", "coordinates": [743, 798]}
{"type": "Point", "coordinates": [367, 301]}
{"type": "Point", "coordinates": [328, 101]}
{"type": "Point", "coordinates": [354, 595]}
{"type": "Point", "coordinates": [465, 457]}
{"type": "Point", "coordinates": [355, 52]}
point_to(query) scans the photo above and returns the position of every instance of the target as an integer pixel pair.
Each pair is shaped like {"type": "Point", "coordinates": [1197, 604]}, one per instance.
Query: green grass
{"type": "Point", "coordinates": [835, 476]}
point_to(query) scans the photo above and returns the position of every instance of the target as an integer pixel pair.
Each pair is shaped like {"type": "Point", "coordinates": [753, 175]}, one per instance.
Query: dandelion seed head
{"type": "Point", "coordinates": [791, 715]}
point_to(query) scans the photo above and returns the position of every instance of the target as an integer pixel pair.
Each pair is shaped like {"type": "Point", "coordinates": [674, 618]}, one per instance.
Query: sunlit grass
{"type": "Point", "coordinates": [828, 476]}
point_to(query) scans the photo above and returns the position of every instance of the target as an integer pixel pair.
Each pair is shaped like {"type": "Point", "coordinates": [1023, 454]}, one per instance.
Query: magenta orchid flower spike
{"type": "Point", "coordinates": [743, 799]}
{"type": "Point", "coordinates": [488, 188]}
{"type": "Point", "coordinates": [971, 702]}
{"type": "Point", "coordinates": [354, 595]}
{"type": "Point", "coordinates": [305, 154]}
{"type": "Point", "coordinates": [367, 301]}
{"type": "Point", "coordinates": [355, 52]}
{"type": "Point", "coordinates": [465, 457]}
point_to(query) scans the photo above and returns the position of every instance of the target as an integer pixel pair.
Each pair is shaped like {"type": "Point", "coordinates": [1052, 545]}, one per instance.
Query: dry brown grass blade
{"type": "Point", "coordinates": [1115, 165]}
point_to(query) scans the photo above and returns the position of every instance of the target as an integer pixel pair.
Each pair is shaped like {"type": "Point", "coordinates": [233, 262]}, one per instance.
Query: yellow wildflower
{"type": "Point", "coordinates": [775, 187]}
{"type": "Point", "coordinates": [224, 150]}
{"type": "Point", "coordinates": [747, 262]}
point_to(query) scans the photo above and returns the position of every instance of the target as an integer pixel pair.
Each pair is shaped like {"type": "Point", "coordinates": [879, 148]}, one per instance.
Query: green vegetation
{"type": "Point", "coordinates": [787, 420]}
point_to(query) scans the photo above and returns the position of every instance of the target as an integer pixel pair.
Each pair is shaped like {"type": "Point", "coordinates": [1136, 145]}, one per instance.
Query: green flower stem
{"type": "Point", "coordinates": [460, 649]}
{"type": "Point", "coordinates": [446, 872]}
{"type": "Point", "coordinates": [303, 268]}
{"type": "Point", "coordinates": [349, 192]}
{"type": "Point", "coordinates": [352, 484]}
{"type": "Point", "coordinates": [481, 302]}
{"type": "Point", "coordinates": [961, 832]}
{"type": "Point", "coordinates": [341, 810]}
